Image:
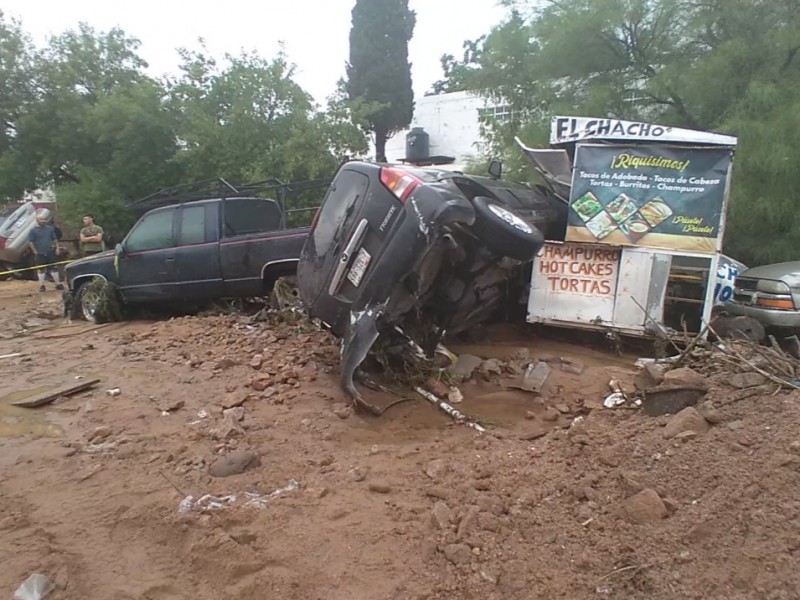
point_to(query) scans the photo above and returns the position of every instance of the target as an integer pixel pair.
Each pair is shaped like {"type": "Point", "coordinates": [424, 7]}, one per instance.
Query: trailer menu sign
{"type": "Point", "coordinates": [649, 195]}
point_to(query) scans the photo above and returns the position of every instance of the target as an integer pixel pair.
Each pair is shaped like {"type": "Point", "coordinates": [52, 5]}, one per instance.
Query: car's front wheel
{"type": "Point", "coordinates": [504, 232]}
{"type": "Point", "coordinates": [86, 302]}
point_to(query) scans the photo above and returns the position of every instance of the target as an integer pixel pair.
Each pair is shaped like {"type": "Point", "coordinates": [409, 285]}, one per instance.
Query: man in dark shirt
{"type": "Point", "coordinates": [43, 242]}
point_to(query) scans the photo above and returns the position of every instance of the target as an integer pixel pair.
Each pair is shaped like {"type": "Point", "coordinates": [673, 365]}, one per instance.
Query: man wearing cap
{"type": "Point", "coordinates": [43, 242]}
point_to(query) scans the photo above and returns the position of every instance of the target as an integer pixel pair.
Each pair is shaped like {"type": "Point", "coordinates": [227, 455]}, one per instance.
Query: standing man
{"type": "Point", "coordinates": [43, 242]}
{"type": "Point", "coordinates": [91, 236]}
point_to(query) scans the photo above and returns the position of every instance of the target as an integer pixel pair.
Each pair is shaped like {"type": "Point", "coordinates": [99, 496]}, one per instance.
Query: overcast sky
{"type": "Point", "coordinates": [315, 32]}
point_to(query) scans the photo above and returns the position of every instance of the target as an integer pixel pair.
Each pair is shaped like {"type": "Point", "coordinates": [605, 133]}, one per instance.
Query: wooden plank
{"type": "Point", "coordinates": [48, 397]}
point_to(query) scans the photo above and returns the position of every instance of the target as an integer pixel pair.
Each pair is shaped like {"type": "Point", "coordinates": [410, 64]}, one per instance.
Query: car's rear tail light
{"type": "Point", "coordinates": [776, 302]}
{"type": "Point", "coordinates": [3, 242]}
{"type": "Point", "coordinates": [399, 182]}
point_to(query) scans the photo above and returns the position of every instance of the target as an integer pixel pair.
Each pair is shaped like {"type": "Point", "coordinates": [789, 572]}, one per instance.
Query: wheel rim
{"type": "Point", "coordinates": [89, 301]}
{"type": "Point", "coordinates": [510, 218]}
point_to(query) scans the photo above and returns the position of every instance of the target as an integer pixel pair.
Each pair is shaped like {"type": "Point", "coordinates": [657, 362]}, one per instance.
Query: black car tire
{"type": "Point", "coordinates": [77, 308]}
{"type": "Point", "coordinates": [502, 236]}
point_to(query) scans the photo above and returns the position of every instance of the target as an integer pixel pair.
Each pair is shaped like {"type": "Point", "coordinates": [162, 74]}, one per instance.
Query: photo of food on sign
{"type": "Point", "coordinates": [635, 227]}
{"type": "Point", "coordinates": [655, 211]}
{"type": "Point", "coordinates": [623, 213]}
{"type": "Point", "coordinates": [648, 195]}
{"type": "Point", "coordinates": [601, 225]}
{"type": "Point", "coordinates": [587, 206]}
{"type": "Point", "coordinates": [621, 208]}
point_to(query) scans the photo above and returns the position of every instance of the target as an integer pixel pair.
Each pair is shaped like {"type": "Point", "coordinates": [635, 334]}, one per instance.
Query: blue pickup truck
{"type": "Point", "coordinates": [191, 247]}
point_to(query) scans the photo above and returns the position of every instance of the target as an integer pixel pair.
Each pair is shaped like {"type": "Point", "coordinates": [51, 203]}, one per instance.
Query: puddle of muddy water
{"type": "Point", "coordinates": [16, 421]}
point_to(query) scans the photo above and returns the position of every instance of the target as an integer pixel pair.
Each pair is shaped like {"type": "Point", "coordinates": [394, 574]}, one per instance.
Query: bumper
{"type": "Point", "coordinates": [788, 319]}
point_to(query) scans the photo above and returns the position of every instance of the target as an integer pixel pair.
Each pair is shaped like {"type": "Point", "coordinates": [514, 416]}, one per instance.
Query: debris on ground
{"type": "Point", "coordinates": [211, 502]}
{"type": "Point", "coordinates": [35, 587]}
{"type": "Point", "coordinates": [456, 415]}
{"type": "Point", "coordinates": [534, 377]}
{"type": "Point", "coordinates": [562, 496]}
{"type": "Point", "coordinates": [234, 463]}
{"type": "Point", "coordinates": [53, 395]}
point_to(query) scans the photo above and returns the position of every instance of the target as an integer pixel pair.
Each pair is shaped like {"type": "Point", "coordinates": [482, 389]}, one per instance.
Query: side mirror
{"type": "Point", "coordinates": [119, 250]}
{"type": "Point", "coordinates": [495, 169]}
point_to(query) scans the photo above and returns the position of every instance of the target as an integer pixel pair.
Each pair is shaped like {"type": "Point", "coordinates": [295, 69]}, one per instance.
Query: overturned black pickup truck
{"type": "Point", "coordinates": [197, 243]}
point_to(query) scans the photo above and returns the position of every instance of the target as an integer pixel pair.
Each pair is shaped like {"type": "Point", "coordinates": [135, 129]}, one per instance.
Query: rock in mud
{"type": "Point", "coordinates": [170, 405]}
{"type": "Point", "coordinates": [534, 433]}
{"type": "Point", "coordinates": [645, 507]}
{"type": "Point", "coordinates": [630, 483]}
{"type": "Point", "coordinates": [357, 474]}
{"type": "Point", "coordinates": [710, 414]}
{"type": "Point", "coordinates": [685, 377]}
{"type": "Point", "coordinates": [343, 411]}
{"type": "Point", "coordinates": [458, 554]}
{"type": "Point", "coordinates": [256, 361]}
{"type": "Point", "coordinates": [550, 414]}
{"type": "Point", "coordinates": [441, 516]}
{"type": "Point", "coordinates": [234, 399]}
{"type": "Point", "coordinates": [649, 377]}
{"type": "Point", "coordinates": [573, 367]}
{"type": "Point", "coordinates": [225, 363]}
{"type": "Point", "coordinates": [744, 381]}
{"type": "Point", "coordinates": [261, 382]}
{"type": "Point", "coordinates": [489, 522]}
{"type": "Point", "coordinates": [234, 463]}
{"type": "Point", "coordinates": [98, 434]}
{"type": "Point", "coordinates": [234, 414]}
{"type": "Point", "coordinates": [465, 366]}
{"type": "Point", "coordinates": [437, 469]}
{"type": "Point", "coordinates": [379, 486]}
{"type": "Point", "coordinates": [491, 368]}
{"type": "Point", "coordinates": [468, 522]}
{"type": "Point", "coordinates": [686, 420]}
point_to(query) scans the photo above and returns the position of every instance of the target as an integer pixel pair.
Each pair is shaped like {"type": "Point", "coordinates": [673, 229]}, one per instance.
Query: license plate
{"type": "Point", "coordinates": [359, 267]}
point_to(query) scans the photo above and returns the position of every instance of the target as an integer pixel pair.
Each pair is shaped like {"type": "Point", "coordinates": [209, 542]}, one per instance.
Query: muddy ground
{"type": "Point", "coordinates": [561, 498]}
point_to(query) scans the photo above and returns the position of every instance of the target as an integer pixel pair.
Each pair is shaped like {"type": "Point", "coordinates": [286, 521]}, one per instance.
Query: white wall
{"type": "Point", "coordinates": [451, 121]}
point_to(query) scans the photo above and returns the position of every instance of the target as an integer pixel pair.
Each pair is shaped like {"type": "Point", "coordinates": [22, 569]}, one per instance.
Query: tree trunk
{"type": "Point", "coordinates": [381, 136]}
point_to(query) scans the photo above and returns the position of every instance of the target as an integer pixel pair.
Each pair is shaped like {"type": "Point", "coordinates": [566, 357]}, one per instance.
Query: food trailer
{"type": "Point", "coordinates": [641, 253]}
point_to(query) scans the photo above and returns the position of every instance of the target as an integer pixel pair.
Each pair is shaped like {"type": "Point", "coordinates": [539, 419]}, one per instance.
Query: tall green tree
{"type": "Point", "coordinates": [249, 119]}
{"type": "Point", "coordinates": [721, 65]}
{"type": "Point", "coordinates": [99, 129]}
{"type": "Point", "coordinates": [16, 92]}
{"type": "Point", "coordinates": [378, 72]}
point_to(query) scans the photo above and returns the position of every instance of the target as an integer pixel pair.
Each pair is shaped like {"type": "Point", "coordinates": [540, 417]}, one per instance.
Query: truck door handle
{"type": "Point", "coordinates": [170, 259]}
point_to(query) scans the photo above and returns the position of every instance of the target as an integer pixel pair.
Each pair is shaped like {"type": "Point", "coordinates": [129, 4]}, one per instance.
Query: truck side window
{"type": "Point", "coordinates": [154, 231]}
{"type": "Point", "coordinates": [193, 225]}
{"type": "Point", "coordinates": [250, 215]}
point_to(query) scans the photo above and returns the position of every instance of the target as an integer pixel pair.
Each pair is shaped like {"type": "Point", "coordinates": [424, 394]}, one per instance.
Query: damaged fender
{"type": "Point", "coordinates": [360, 334]}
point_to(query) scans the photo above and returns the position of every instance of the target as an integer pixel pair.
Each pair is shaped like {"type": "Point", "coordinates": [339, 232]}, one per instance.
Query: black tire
{"type": "Point", "coordinates": [97, 302]}
{"type": "Point", "coordinates": [508, 236]}
{"type": "Point", "coordinates": [76, 310]}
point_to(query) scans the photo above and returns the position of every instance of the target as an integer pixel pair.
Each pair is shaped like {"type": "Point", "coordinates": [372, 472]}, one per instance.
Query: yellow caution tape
{"type": "Point", "coordinates": [37, 267]}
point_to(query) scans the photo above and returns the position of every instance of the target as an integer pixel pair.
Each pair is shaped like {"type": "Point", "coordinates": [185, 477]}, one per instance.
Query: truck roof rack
{"type": "Point", "coordinates": [219, 188]}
